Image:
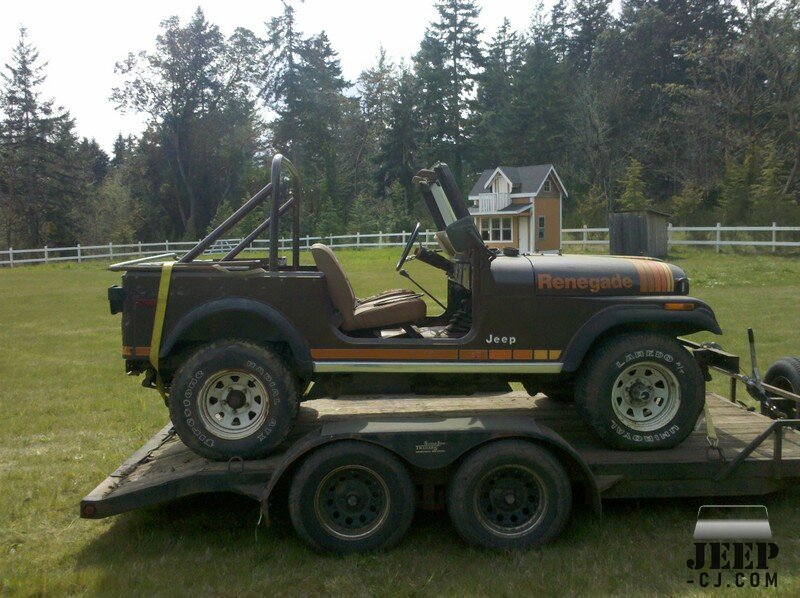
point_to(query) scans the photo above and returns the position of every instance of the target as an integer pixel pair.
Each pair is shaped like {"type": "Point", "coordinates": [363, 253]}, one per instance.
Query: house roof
{"type": "Point", "coordinates": [511, 209]}
{"type": "Point", "coordinates": [523, 179]}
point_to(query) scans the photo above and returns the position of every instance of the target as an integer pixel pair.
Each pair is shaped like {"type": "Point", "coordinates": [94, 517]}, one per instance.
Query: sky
{"type": "Point", "coordinates": [81, 40]}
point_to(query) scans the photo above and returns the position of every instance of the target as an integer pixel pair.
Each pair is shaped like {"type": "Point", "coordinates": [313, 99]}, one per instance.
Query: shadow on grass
{"type": "Point", "coordinates": [209, 543]}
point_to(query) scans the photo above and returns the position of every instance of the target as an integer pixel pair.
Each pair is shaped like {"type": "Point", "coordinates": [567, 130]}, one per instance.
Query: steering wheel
{"type": "Point", "coordinates": [407, 249]}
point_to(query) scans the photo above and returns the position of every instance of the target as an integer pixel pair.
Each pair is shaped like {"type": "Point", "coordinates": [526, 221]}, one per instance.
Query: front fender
{"type": "Point", "coordinates": [631, 315]}
{"type": "Point", "coordinates": [274, 326]}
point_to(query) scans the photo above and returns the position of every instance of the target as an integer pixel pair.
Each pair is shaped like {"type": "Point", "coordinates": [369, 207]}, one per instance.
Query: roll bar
{"type": "Point", "coordinates": [272, 189]}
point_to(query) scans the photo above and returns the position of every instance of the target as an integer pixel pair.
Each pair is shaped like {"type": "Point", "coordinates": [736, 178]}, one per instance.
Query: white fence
{"type": "Point", "coordinates": [718, 237]}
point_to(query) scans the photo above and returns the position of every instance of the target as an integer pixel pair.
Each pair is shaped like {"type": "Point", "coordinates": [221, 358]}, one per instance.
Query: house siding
{"type": "Point", "coordinates": [550, 208]}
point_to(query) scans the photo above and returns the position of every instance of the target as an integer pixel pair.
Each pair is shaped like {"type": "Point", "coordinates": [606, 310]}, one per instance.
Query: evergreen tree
{"type": "Point", "coordinates": [587, 20]}
{"type": "Point", "coordinates": [633, 191]}
{"type": "Point", "coordinates": [447, 65]}
{"type": "Point", "coordinates": [29, 131]}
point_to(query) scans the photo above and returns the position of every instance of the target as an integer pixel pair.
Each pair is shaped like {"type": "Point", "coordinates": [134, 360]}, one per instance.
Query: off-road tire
{"type": "Point", "coordinates": [257, 366]}
{"type": "Point", "coordinates": [532, 476]}
{"type": "Point", "coordinates": [785, 374]}
{"type": "Point", "coordinates": [367, 474]}
{"type": "Point", "coordinates": [619, 415]}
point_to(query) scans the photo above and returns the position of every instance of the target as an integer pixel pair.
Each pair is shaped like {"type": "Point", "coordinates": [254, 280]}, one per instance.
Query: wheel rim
{"type": "Point", "coordinates": [352, 502]}
{"type": "Point", "coordinates": [233, 404]}
{"type": "Point", "coordinates": [645, 396]}
{"type": "Point", "coordinates": [510, 500]}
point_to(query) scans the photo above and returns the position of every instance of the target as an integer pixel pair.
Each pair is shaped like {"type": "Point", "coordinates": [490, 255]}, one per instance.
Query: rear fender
{"type": "Point", "coordinates": [264, 323]}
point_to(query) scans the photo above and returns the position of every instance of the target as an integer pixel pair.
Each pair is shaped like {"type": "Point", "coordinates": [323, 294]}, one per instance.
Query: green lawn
{"type": "Point", "coordinates": [71, 416]}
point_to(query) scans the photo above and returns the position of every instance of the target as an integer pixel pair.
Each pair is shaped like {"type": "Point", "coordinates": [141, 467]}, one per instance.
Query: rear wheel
{"type": "Point", "coordinates": [785, 374]}
{"type": "Point", "coordinates": [510, 494]}
{"type": "Point", "coordinates": [233, 399]}
{"type": "Point", "coordinates": [351, 497]}
{"type": "Point", "coordinates": [641, 391]}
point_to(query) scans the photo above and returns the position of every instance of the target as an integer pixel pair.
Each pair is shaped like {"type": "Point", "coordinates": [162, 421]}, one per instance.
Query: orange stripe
{"type": "Point", "coordinates": [420, 354]}
{"type": "Point", "coordinates": [540, 354]}
{"type": "Point", "coordinates": [658, 274]}
{"type": "Point", "coordinates": [127, 351]}
{"type": "Point", "coordinates": [642, 276]}
{"type": "Point", "coordinates": [523, 354]}
{"type": "Point", "coordinates": [473, 355]}
{"type": "Point", "coordinates": [142, 351]}
{"type": "Point", "coordinates": [553, 354]}
{"type": "Point", "coordinates": [500, 354]}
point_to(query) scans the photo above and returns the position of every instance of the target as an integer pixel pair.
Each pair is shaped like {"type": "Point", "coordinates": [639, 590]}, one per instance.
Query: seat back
{"type": "Point", "coordinates": [342, 295]}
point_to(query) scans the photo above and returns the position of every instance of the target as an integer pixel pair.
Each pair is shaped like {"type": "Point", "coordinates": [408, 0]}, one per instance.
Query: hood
{"type": "Point", "coordinates": [571, 275]}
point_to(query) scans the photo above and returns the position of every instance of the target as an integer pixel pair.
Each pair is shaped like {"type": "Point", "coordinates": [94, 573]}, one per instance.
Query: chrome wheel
{"type": "Point", "coordinates": [510, 500]}
{"type": "Point", "coordinates": [233, 404]}
{"type": "Point", "coordinates": [352, 502]}
{"type": "Point", "coordinates": [646, 396]}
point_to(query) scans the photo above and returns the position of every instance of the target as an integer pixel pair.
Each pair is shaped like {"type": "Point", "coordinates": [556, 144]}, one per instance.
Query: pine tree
{"type": "Point", "coordinates": [448, 64]}
{"type": "Point", "coordinates": [588, 19]}
{"type": "Point", "coordinates": [29, 131]}
{"type": "Point", "coordinates": [633, 192]}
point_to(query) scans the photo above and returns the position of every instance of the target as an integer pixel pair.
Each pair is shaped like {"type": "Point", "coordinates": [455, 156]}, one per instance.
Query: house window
{"type": "Point", "coordinates": [496, 229]}
{"type": "Point", "coordinates": [547, 186]}
{"type": "Point", "coordinates": [540, 232]}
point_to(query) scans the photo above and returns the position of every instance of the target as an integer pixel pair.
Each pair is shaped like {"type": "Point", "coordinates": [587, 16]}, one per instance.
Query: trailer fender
{"type": "Point", "coordinates": [623, 316]}
{"type": "Point", "coordinates": [263, 323]}
{"type": "Point", "coordinates": [436, 443]}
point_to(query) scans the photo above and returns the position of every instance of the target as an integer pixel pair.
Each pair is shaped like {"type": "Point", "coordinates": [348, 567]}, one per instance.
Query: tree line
{"type": "Point", "coordinates": [687, 106]}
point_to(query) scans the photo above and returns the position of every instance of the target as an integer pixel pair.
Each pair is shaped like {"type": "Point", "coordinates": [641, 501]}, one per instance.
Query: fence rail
{"type": "Point", "coordinates": [718, 237]}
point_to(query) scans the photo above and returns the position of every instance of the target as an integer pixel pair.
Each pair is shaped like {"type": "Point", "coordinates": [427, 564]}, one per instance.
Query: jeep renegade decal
{"type": "Point", "coordinates": [592, 284]}
{"type": "Point", "coordinates": [438, 354]}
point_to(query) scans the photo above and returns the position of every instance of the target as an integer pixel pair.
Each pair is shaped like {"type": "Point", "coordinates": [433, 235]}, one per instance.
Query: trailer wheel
{"type": "Point", "coordinates": [510, 494]}
{"type": "Point", "coordinates": [641, 391]}
{"type": "Point", "coordinates": [785, 374]}
{"type": "Point", "coordinates": [233, 399]}
{"type": "Point", "coordinates": [351, 497]}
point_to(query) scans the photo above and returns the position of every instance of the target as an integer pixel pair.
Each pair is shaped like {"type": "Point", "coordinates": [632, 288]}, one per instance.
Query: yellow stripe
{"type": "Point", "coordinates": [158, 321]}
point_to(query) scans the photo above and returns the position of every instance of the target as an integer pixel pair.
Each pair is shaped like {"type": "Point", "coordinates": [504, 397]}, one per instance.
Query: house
{"type": "Point", "coordinates": [519, 206]}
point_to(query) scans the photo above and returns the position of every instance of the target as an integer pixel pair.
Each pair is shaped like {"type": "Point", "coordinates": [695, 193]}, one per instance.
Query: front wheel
{"type": "Point", "coordinates": [641, 391]}
{"type": "Point", "coordinates": [233, 399]}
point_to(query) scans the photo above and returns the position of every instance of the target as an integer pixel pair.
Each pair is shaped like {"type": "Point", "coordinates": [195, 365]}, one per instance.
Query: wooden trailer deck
{"type": "Point", "coordinates": [164, 469]}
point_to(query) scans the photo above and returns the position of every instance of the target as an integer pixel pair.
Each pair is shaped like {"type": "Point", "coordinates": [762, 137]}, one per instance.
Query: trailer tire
{"type": "Point", "coordinates": [641, 391]}
{"type": "Point", "coordinates": [509, 494]}
{"type": "Point", "coordinates": [351, 497]}
{"type": "Point", "coordinates": [233, 398]}
{"type": "Point", "coordinates": [785, 374]}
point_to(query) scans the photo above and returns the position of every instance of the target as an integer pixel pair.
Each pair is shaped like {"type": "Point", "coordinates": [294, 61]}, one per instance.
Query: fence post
{"type": "Point", "coordinates": [380, 238]}
{"type": "Point", "coordinates": [331, 238]}
{"type": "Point", "coordinates": [79, 253]}
{"type": "Point", "coordinates": [774, 237]}
{"type": "Point", "coordinates": [10, 257]}
{"type": "Point", "coordinates": [585, 236]}
{"type": "Point", "coordinates": [110, 249]}
{"type": "Point", "coordinates": [166, 246]}
{"type": "Point", "coordinates": [358, 239]}
{"type": "Point", "coordinates": [404, 237]}
{"type": "Point", "coordinates": [719, 238]}
{"type": "Point", "coordinates": [669, 235]}
{"type": "Point", "coordinates": [45, 254]}
{"type": "Point", "coordinates": [140, 248]}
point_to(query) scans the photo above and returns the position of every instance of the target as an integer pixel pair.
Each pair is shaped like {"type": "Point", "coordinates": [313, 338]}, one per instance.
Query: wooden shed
{"type": "Point", "coordinates": [639, 232]}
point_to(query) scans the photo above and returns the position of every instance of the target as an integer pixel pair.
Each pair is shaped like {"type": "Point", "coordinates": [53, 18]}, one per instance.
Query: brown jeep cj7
{"type": "Point", "coordinates": [234, 345]}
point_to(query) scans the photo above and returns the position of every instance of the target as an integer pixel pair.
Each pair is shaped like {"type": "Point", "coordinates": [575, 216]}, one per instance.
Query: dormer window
{"type": "Point", "coordinates": [547, 186]}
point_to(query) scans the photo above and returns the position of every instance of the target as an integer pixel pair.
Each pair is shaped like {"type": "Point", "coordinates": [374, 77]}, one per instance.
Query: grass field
{"type": "Point", "coordinates": [70, 416]}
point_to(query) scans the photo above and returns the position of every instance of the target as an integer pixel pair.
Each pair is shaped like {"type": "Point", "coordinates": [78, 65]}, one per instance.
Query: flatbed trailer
{"type": "Point", "coordinates": [756, 455]}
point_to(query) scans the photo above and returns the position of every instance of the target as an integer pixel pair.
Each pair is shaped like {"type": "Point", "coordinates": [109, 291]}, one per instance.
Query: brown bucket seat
{"type": "Point", "coordinates": [391, 308]}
